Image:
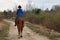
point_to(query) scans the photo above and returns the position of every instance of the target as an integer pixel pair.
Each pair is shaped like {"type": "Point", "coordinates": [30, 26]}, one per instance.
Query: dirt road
{"type": "Point", "coordinates": [28, 34]}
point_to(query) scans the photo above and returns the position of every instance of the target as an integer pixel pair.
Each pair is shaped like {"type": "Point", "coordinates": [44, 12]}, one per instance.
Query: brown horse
{"type": "Point", "coordinates": [19, 22]}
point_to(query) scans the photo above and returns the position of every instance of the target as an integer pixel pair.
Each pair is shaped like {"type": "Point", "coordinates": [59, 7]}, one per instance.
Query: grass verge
{"type": "Point", "coordinates": [4, 31]}
{"type": "Point", "coordinates": [41, 31]}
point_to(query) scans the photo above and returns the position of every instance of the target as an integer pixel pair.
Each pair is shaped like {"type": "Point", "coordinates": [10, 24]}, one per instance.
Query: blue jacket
{"type": "Point", "coordinates": [19, 12]}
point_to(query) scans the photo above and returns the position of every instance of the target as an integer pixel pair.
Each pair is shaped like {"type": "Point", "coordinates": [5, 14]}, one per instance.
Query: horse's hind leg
{"type": "Point", "coordinates": [18, 30]}
{"type": "Point", "coordinates": [15, 21]}
{"type": "Point", "coordinates": [22, 26]}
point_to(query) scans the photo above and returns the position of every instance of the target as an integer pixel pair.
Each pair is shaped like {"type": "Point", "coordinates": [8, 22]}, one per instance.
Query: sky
{"type": "Point", "coordinates": [43, 4]}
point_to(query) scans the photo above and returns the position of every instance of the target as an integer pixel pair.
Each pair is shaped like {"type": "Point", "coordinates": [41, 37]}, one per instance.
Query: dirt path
{"type": "Point", "coordinates": [28, 34]}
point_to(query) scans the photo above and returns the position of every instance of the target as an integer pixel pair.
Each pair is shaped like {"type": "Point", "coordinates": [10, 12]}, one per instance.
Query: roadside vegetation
{"type": "Point", "coordinates": [41, 30]}
{"type": "Point", "coordinates": [4, 28]}
{"type": "Point", "coordinates": [48, 18]}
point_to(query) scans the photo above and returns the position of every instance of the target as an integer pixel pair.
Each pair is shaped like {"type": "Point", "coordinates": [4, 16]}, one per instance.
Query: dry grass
{"type": "Point", "coordinates": [4, 28]}
{"type": "Point", "coordinates": [44, 31]}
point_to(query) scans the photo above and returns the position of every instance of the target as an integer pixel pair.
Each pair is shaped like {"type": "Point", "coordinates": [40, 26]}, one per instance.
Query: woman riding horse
{"type": "Point", "coordinates": [19, 21]}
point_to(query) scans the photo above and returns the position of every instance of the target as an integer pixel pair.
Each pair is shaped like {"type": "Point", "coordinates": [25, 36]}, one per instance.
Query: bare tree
{"type": "Point", "coordinates": [15, 7]}
{"type": "Point", "coordinates": [29, 6]}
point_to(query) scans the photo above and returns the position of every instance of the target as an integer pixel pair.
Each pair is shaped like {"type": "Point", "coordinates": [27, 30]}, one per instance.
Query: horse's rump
{"type": "Point", "coordinates": [19, 21]}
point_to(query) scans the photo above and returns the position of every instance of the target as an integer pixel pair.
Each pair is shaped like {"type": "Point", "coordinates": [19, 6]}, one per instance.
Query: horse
{"type": "Point", "coordinates": [19, 22]}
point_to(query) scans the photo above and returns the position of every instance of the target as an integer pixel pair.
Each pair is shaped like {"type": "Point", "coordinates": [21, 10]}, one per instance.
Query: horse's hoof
{"type": "Point", "coordinates": [14, 25]}
{"type": "Point", "coordinates": [21, 36]}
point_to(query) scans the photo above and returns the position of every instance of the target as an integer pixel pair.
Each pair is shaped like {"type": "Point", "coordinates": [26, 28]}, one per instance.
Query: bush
{"type": "Point", "coordinates": [50, 19]}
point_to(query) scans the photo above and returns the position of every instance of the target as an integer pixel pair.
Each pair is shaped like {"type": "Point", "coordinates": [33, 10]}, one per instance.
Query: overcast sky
{"type": "Point", "coordinates": [43, 4]}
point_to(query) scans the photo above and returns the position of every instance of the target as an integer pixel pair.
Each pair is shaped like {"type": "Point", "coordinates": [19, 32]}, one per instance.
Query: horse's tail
{"type": "Point", "coordinates": [21, 25]}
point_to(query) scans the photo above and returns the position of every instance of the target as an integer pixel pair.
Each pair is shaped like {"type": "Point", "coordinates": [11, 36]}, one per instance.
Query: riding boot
{"type": "Point", "coordinates": [15, 22]}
